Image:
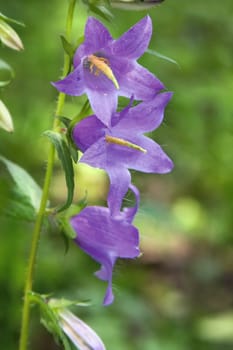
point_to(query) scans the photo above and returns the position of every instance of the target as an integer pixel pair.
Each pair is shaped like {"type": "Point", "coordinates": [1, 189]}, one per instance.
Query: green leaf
{"type": "Point", "coordinates": [66, 161]}
{"type": "Point", "coordinates": [157, 54]}
{"type": "Point", "coordinates": [135, 4]}
{"type": "Point", "coordinates": [6, 73]}
{"type": "Point", "coordinates": [100, 8]}
{"type": "Point", "coordinates": [25, 197]}
{"type": "Point", "coordinates": [69, 49]}
{"type": "Point", "coordinates": [102, 11]}
{"type": "Point", "coordinates": [18, 206]}
{"type": "Point", "coordinates": [11, 20]}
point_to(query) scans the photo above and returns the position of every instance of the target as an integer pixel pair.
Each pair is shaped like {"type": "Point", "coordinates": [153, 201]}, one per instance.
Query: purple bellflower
{"type": "Point", "coordinates": [123, 146]}
{"type": "Point", "coordinates": [106, 238]}
{"type": "Point", "coordinates": [105, 68]}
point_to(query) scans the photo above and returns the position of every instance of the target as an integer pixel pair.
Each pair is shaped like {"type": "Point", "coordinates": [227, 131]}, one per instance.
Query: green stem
{"type": "Point", "coordinates": [45, 193]}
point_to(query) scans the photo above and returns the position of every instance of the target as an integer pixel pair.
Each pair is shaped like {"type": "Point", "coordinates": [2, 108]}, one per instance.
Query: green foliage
{"type": "Point", "coordinates": [66, 161]}
{"type": "Point", "coordinates": [6, 73]}
{"type": "Point", "coordinates": [25, 197]}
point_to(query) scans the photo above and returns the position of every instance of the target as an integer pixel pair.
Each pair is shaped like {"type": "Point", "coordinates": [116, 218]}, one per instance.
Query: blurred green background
{"type": "Point", "coordinates": [179, 294]}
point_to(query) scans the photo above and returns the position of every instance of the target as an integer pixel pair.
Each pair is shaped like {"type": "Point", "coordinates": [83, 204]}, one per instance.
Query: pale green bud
{"type": "Point", "coordinates": [81, 335]}
{"type": "Point", "coordinates": [9, 37]}
{"type": "Point", "coordinates": [6, 122]}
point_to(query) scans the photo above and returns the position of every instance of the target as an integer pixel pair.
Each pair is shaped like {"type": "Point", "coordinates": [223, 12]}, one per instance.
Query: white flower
{"type": "Point", "coordinates": [6, 122]}
{"type": "Point", "coordinates": [82, 336]}
{"type": "Point", "coordinates": [9, 37]}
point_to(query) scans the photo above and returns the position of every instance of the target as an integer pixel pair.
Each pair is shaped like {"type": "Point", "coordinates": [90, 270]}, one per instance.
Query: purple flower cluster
{"type": "Point", "coordinates": [113, 140]}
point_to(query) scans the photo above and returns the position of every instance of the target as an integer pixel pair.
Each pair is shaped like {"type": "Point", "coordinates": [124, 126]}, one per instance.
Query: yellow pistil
{"type": "Point", "coordinates": [101, 64]}
{"type": "Point", "coordinates": [122, 142]}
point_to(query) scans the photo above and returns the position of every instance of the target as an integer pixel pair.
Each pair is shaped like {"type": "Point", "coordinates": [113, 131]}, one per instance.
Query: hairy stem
{"type": "Point", "coordinates": [40, 216]}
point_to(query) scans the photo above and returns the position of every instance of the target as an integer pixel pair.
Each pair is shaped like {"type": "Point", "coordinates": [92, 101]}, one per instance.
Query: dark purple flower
{"type": "Point", "coordinates": [122, 145]}
{"type": "Point", "coordinates": [106, 238]}
{"type": "Point", "coordinates": [105, 68]}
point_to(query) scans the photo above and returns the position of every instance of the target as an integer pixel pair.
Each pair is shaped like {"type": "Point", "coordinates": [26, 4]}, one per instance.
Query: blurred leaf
{"type": "Point", "coordinates": [25, 199]}
{"type": "Point", "coordinates": [11, 20]}
{"type": "Point", "coordinates": [66, 160]}
{"type": "Point", "coordinates": [6, 73]}
{"type": "Point", "coordinates": [134, 4]}
{"type": "Point", "coordinates": [157, 54]}
{"type": "Point", "coordinates": [6, 122]}
{"type": "Point", "coordinates": [18, 206]}
{"type": "Point", "coordinates": [217, 328]}
{"type": "Point", "coordinates": [100, 8]}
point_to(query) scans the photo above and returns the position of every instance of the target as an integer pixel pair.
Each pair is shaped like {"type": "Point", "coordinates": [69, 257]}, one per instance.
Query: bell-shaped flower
{"type": "Point", "coordinates": [105, 238]}
{"type": "Point", "coordinates": [122, 145]}
{"type": "Point", "coordinates": [81, 335]}
{"type": "Point", "coordinates": [105, 68]}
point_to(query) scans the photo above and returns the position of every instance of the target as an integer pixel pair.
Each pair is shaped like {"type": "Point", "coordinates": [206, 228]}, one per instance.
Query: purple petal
{"type": "Point", "coordinates": [154, 160]}
{"type": "Point", "coordinates": [81, 52]}
{"type": "Point", "coordinates": [138, 81]}
{"type": "Point", "coordinates": [96, 35]}
{"type": "Point", "coordinates": [103, 104]}
{"type": "Point", "coordinates": [120, 179]}
{"type": "Point", "coordinates": [144, 117]}
{"type": "Point", "coordinates": [105, 238]}
{"type": "Point", "coordinates": [95, 155]}
{"type": "Point", "coordinates": [130, 212]}
{"type": "Point", "coordinates": [72, 84]}
{"type": "Point", "coordinates": [135, 41]}
{"type": "Point", "coordinates": [105, 274]}
{"type": "Point", "coordinates": [87, 132]}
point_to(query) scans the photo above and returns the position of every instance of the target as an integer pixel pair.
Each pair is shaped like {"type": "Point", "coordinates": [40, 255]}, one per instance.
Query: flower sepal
{"type": "Point", "coordinates": [64, 219]}
{"type": "Point", "coordinates": [64, 325]}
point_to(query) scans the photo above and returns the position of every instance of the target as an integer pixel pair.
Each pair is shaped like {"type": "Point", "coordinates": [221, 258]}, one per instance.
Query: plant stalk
{"type": "Point", "coordinates": [24, 335]}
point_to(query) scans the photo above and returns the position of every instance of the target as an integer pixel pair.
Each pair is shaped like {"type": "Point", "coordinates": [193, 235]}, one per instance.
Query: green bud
{"type": "Point", "coordinates": [9, 37]}
{"type": "Point", "coordinates": [6, 122]}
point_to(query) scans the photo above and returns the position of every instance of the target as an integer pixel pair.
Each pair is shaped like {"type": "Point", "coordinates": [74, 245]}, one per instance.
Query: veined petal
{"type": "Point", "coordinates": [96, 35]}
{"type": "Point", "coordinates": [87, 132]}
{"type": "Point", "coordinates": [72, 84]}
{"type": "Point", "coordinates": [154, 160]}
{"type": "Point", "coordinates": [105, 239]}
{"type": "Point", "coordinates": [103, 104]}
{"type": "Point", "coordinates": [145, 116]}
{"type": "Point", "coordinates": [120, 180]}
{"type": "Point", "coordinates": [95, 155]}
{"type": "Point", "coordinates": [135, 41]}
{"type": "Point", "coordinates": [140, 83]}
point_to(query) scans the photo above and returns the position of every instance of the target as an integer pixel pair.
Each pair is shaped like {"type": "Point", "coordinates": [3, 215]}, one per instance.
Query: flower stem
{"type": "Point", "coordinates": [40, 216]}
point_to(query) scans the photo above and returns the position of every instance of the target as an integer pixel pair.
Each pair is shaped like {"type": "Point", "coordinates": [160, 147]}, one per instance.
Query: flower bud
{"type": "Point", "coordinates": [6, 122]}
{"type": "Point", "coordinates": [81, 335]}
{"type": "Point", "coordinates": [9, 37]}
